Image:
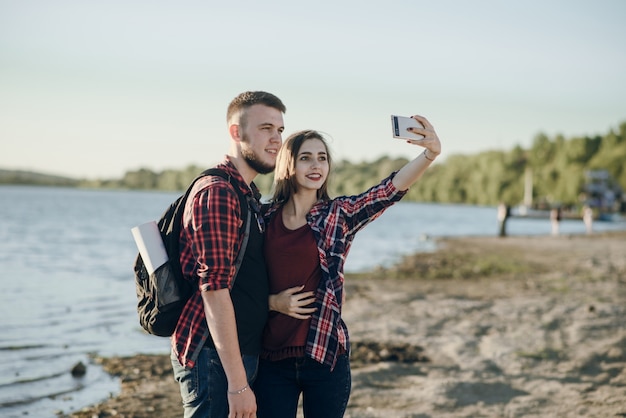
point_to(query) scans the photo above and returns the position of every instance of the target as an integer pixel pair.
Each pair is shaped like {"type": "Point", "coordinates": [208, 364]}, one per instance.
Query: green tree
{"type": "Point", "coordinates": [140, 179]}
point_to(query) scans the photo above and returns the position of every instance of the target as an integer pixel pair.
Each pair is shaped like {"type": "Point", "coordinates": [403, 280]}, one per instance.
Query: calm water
{"type": "Point", "coordinates": [67, 286]}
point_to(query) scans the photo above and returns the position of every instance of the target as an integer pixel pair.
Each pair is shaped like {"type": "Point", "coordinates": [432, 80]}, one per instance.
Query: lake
{"type": "Point", "coordinates": [68, 290]}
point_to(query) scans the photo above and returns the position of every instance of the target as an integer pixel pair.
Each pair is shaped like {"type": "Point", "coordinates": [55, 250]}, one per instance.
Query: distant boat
{"type": "Point", "coordinates": [610, 217]}
{"type": "Point", "coordinates": [601, 193]}
{"type": "Point", "coordinates": [523, 211]}
{"type": "Point", "coordinates": [604, 195]}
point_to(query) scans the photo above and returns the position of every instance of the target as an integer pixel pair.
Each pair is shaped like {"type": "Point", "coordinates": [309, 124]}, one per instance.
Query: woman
{"type": "Point", "coordinates": [308, 235]}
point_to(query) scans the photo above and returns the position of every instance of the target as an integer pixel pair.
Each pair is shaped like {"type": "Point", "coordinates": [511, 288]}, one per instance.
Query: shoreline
{"type": "Point", "coordinates": [484, 326]}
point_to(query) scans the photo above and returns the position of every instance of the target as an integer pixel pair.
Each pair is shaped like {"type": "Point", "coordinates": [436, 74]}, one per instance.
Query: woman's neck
{"type": "Point", "coordinates": [296, 209]}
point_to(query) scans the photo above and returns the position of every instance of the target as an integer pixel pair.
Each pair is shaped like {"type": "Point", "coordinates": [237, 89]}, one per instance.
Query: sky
{"type": "Point", "coordinates": [93, 89]}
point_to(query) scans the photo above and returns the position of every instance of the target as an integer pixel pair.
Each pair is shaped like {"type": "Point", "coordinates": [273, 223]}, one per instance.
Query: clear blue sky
{"type": "Point", "coordinates": [96, 88]}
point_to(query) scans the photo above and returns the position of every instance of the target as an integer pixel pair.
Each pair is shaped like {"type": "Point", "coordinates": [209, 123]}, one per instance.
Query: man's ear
{"type": "Point", "coordinates": [234, 131]}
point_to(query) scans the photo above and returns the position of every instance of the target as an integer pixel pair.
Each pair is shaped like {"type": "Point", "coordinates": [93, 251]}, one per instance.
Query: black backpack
{"type": "Point", "coordinates": [162, 296]}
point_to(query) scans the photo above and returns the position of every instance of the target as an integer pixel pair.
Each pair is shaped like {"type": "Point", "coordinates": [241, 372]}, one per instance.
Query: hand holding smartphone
{"type": "Point", "coordinates": [399, 125]}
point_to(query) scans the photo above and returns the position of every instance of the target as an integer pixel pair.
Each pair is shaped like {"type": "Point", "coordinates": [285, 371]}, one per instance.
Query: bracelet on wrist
{"type": "Point", "coordinates": [240, 391]}
{"type": "Point", "coordinates": [426, 156]}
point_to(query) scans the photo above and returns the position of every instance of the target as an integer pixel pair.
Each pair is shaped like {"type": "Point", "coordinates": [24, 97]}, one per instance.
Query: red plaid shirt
{"type": "Point", "coordinates": [209, 242]}
{"type": "Point", "coordinates": [335, 223]}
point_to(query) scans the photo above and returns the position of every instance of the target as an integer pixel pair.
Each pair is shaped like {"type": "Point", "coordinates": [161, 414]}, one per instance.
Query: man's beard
{"type": "Point", "coordinates": [253, 159]}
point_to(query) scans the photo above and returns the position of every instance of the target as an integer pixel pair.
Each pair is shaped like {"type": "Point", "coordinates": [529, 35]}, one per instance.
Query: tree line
{"type": "Point", "coordinates": [557, 167]}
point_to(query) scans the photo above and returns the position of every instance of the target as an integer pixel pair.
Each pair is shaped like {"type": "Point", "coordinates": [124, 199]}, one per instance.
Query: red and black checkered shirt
{"type": "Point", "coordinates": [209, 242]}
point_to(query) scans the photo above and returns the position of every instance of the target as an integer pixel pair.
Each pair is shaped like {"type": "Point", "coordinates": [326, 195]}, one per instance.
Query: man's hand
{"type": "Point", "coordinates": [242, 405]}
{"type": "Point", "coordinates": [293, 303]}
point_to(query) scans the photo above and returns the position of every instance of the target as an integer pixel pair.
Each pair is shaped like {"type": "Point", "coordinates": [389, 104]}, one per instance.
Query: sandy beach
{"type": "Point", "coordinates": [483, 327]}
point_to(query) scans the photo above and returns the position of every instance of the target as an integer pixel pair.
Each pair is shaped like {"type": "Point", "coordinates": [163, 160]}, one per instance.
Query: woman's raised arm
{"type": "Point", "coordinates": [414, 169]}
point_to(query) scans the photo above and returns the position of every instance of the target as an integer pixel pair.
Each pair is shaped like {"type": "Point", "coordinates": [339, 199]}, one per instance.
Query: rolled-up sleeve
{"type": "Point", "coordinates": [212, 225]}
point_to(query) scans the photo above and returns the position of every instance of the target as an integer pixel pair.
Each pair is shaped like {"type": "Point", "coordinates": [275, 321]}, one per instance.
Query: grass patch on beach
{"type": "Point", "coordinates": [459, 260]}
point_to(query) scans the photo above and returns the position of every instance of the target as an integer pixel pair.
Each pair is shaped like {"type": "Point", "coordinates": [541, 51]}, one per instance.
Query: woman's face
{"type": "Point", "coordinates": [311, 165]}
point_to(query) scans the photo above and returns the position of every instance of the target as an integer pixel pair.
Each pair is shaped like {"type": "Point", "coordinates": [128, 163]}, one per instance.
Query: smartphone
{"type": "Point", "coordinates": [399, 125]}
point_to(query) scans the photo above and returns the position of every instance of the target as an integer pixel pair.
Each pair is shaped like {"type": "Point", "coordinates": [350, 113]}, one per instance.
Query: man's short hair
{"type": "Point", "coordinates": [250, 98]}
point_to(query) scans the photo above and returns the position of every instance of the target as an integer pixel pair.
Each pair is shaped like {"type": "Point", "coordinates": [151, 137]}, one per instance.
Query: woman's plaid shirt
{"type": "Point", "coordinates": [335, 223]}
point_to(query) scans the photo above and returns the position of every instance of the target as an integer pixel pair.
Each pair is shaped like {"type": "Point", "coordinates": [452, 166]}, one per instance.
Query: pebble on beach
{"type": "Point", "coordinates": [79, 369]}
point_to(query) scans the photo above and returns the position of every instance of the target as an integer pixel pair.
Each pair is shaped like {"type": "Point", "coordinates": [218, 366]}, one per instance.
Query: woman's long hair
{"type": "Point", "coordinates": [285, 173]}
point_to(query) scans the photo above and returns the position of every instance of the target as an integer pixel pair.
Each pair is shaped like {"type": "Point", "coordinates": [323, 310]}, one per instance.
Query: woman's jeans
{"type": "Point", "coordinates": [324, 393]}
{"type": "Point", "coordinates": [204, 387]}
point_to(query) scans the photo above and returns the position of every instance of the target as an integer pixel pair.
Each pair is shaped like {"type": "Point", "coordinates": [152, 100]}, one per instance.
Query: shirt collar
{"type": "Point", "coordinates": [228, 166]}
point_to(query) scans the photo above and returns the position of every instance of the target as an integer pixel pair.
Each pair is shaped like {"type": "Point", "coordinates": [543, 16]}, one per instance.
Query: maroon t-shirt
{"type": "Point", "coordinates": [292, 260]}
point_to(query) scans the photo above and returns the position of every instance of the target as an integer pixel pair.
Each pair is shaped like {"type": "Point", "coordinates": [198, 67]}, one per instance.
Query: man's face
{"type": "Point", "coordinates": [262, 137]}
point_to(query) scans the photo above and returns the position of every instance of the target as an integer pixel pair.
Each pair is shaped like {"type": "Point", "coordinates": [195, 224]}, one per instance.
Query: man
{"type": "Point", "coordinates": [218, 337]}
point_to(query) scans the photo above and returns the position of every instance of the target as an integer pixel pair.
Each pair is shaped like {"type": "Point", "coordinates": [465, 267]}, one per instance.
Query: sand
{"type": "Point", "coordinates": [483, 327]}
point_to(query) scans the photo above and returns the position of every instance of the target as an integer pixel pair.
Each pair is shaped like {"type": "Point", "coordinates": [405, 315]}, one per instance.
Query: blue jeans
{"type": "Point", "coordinates": [324, 393]}
{"type": "Point", "coordinates": [203, 388]}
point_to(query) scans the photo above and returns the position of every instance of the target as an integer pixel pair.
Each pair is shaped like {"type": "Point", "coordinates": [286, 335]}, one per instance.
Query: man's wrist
{"type": "Point", "coordinates": [272, 302]}
{"type": "Point", "coordinates": [239, 391]}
